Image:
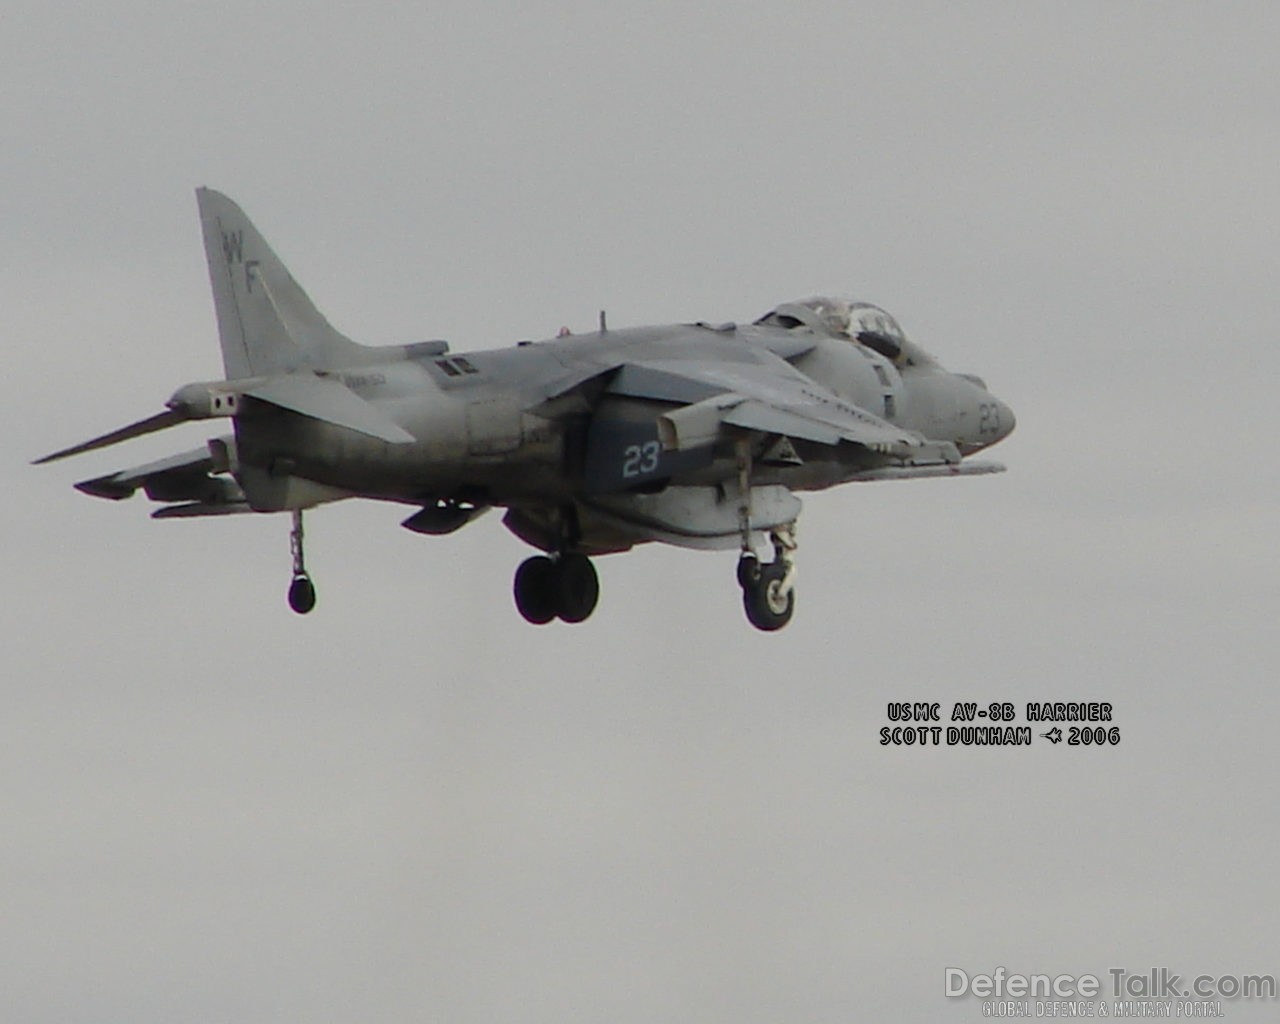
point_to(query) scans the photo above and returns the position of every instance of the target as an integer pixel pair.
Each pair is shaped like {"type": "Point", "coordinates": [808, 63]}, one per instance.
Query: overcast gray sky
{"type": "Point", "coordinates": [413, 806]}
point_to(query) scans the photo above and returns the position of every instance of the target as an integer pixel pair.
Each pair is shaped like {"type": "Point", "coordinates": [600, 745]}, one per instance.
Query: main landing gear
{"type": "Point", "coordinates": [302, 592]}
{"type": "Point", "coordinates": [563, 586]}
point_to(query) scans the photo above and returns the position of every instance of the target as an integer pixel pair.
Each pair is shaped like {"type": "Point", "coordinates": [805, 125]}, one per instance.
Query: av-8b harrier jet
{"type": "Point", "coordinates": [696, 435]}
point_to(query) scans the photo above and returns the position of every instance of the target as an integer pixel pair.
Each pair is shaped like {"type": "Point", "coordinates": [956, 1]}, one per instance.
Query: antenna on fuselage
{"type": "Point", "coordinates": [603, 326]}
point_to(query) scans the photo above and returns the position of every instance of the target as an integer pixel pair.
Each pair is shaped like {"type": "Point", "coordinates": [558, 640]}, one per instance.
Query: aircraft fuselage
{"type": "Point", "coordinates": [475, 437]}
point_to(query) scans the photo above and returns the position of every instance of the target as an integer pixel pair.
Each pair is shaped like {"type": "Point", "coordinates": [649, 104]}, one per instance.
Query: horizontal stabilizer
{"type": "Point", "coordinates": [150, 425]}
{"type": "Point", "coordinates": [193, 476]}
{"type": "Point", "coordinates": [324, 398]}
{"type": "Point", "coordinates": [123, 484]}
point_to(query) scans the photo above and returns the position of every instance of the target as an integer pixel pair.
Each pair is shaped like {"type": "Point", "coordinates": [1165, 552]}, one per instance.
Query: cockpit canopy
{"type": "Point", "coordinates": [837, 316]}
{"type": "Point", "coordinates": [860, 322]}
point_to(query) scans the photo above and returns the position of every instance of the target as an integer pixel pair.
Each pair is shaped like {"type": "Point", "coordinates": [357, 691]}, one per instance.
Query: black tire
{"type": "Point", "coordinates": [577, 587]}
{"type": "Point", "coordinates": [748, 570]}
{"type": "Point", "coordinates": [535, 589]}
{"type": "Point", "coordinates": [302, 595]}
{"type": "Point", "coordinates": [765, 608]}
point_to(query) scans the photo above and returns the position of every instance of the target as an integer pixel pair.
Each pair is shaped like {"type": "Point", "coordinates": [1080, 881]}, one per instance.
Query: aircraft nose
{"type": "Point", "coordinates": [992, 420]}
{"type": "Point", "coordinates": [1007, 421]}
{"type": "Point", "coordinates": [995, 421]}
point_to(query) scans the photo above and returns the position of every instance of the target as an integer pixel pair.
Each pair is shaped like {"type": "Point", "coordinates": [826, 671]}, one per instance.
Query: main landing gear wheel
{"type": "Point", "coordinates": [566, 588]}
{"type": "Point", "coordinates": [577, 587]}
{"type": "Point", "coordinates": [535, 589]}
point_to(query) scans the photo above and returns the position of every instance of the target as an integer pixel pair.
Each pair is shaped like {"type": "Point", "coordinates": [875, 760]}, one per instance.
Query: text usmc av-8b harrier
{"type": "Point", "coordinates": [696, 435]}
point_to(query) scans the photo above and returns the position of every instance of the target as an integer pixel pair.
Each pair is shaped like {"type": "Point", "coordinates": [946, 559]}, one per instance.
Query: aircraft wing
{"type": "Point", "coordinates": [768, 396]}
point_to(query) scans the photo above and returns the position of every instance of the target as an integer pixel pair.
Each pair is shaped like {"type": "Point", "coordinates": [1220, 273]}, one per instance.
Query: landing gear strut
{"type": "Point", "coordinates": [768, 591]}
{"type": "Point", "coordinates": [302, 592]}
{"type": "Point", "coordinates": [563, 586]}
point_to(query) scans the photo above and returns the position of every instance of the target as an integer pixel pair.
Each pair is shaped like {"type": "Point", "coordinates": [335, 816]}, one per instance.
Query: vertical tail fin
{"type": "Point", "coordinates": [266, 323]}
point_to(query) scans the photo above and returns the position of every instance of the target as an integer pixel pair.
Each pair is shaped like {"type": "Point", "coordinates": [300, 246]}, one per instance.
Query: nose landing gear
{"type": "Point", "coordinates": [768, 591]}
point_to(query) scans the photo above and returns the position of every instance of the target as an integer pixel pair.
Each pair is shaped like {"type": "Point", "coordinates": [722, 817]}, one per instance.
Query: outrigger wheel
{"type": "Point", "coordinates": [302, 592]}
{"type": "Point", "coordinates": [564, 586]}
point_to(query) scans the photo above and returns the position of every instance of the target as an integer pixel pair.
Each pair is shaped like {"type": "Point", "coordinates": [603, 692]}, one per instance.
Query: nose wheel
{"type": "Point", "coordinates": [302, 592]}
{"type": "Point", "coordinates": [564, 586]}
{"type": "Point", "coordinates": [768, 590]}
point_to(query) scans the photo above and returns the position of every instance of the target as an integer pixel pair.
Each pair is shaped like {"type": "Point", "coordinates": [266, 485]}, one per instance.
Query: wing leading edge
{"type": "Point", "coordinates": [770, 397]}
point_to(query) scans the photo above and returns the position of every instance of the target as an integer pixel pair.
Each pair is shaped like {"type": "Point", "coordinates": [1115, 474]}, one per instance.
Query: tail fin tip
{"type": "Point", "coordinates": [266, 322]}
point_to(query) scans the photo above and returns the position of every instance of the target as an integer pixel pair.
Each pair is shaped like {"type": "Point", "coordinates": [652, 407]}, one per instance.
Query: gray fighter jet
{"type": "Point", "coordinates": [696, 435]}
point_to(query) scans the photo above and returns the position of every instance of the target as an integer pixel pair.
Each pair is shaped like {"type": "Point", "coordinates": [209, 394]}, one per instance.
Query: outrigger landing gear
{"type": "Point", "coordinates": [563, 586]}
{"type": "Point", "coordinates": [302, 592]}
